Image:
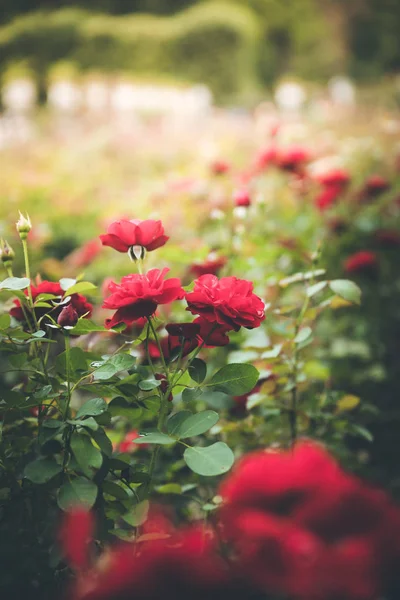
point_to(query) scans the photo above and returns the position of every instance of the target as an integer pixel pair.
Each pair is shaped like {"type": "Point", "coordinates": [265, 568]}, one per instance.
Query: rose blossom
{"type": "Point", "coordinates": [212, 265]}
{"type": "Point", "coordinates": [134, 236]}
{"type": "Point", "coordinates": [242, 198]}
{"type": "Point", "coordinates": [362, 262]}
{"type": "Point", "coordinates": [139, 295]}
{"type": "Point", "coordinates": [302, 527]}
{"type": "Point", "coordinates": [227, 301]}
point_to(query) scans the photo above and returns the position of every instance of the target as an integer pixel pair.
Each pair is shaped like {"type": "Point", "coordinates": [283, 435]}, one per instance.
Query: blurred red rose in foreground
{"type": "Point", "coordinates": [138, 296]}
{"type": "Point", "coordinates": [176, 564]}
{"type": "Point", "coordinates": [362, 262]}
{"type": "Point", "coordinates": [227, 301]}
{"type": "Point", "coordinates": [301, 527]}
{"type": "Point", "coordinates": [123, 235]}
{"type": "Point", "coordinates": [78, 303]}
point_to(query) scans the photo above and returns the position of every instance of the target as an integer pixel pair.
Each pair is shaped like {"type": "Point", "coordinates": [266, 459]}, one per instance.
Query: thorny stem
{"type": "Point", "coordinates": [159, 347]}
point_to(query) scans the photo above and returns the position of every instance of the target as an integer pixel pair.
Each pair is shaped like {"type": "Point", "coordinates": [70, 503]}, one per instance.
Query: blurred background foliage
{"type": "Point", "coordinates": [234, 46]}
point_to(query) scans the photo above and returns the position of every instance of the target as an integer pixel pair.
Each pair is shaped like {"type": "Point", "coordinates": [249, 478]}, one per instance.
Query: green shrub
{"type": "Point", "coordinates": [212, 43]}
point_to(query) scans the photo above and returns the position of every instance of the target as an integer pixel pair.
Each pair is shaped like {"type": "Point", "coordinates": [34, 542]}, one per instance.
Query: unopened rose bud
{"type": "Point", "coordinates": [137, 253]}
{"type": "Point", "coordinates": [7, 254]}
{"type": "Point", "coordinates": [68, 317]}
{"type": "Point", "coordinates": [24, 226]}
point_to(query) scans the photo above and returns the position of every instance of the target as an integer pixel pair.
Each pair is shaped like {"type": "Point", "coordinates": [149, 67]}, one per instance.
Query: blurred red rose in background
{"type": "Point", "coordinates": [362, 262]}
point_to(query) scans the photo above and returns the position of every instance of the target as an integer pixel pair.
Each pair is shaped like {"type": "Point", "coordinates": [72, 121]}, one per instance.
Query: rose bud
{"type": "Point", "coordinates": [24, 226]}
{"type": "Point", "coordinates": [68, 317]}
{"type": "Point", "coordinates": [164, 385]}
{"type": "Point", "coordinates": [7, 254]}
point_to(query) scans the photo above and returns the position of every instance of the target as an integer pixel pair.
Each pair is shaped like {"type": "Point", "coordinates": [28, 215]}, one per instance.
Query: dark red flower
{"type": "Point", "coordinates": [212, 265]}
{"type": "Point", "coordinates": [227, 301]}
{"type": "Point", "coordinates": [387, 238]}
{"type": "Point", "coordinates": [328, 197]}
{"type": "Point", "coordinates": [173, 564]}
{"type": "Point", "coordinates": [211, 333]}
{"type": "Point", "coordinates": [85, 255]}
{"type": "Point", "coordinates": [78, 302]}
{"type": "Point", "coordinates": [164, 385]}
{"type": "Point", "coordinates": [374, 186]}
{"type": "Point", "coordinates": [266, 158]}
{"type": "Point", "coordinates": [302, 527]}
{"type": "Point", "coordinates": [337, 178]}
{"type": "Point", "coordinates": [128, 443]}
{"type": "Point", "coordinates": [292, 159]}
{"type": "Point", "coordinates": [242, 198]}
{"type": "Point", "coordinates": [123, 235]}
{"type": "Point", "coordinates": [188, 331]}
{"type": "Point", "coordinates": [68, 317]}
{"type": "Point", "coordinates": [139, 295]}
{"type": "Point", "coordinates": [362, 262]}
{"type": "Point", "coordinates": [220, 167]}
{"type": "Point", "coordinates": [75, 536]}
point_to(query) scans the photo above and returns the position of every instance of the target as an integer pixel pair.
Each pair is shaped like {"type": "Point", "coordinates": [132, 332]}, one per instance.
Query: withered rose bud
{"type": "Point", "coordinates": [68, 317]}
{"type": "Point", "coordinates": [24, 226]}
{"type": "Point", "coordinates": [7, 254]}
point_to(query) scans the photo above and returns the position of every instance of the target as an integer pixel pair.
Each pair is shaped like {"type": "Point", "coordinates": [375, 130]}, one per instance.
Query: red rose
{"type": "Point", "coordinates": [78, 302]}
{"type": "Point", "coordinates": [328, 197]}
{"type": "Point", "coordinates": [188, 331]}
{"type": "Point", "coordinates": [266, 158]}
{"type": "Point", "coordinates": [227, 301]}
{"type": "Point", "coordinates": [212, 265]}
{"type": "Point", "coordinates": [212, 334]}
{"type": "Point", "coordinates": [128, 443]}
{"type": "Point", "coordinates": [362, 262]}
{"type": "Point", "coordinates": [302, 527]}
{"type": "Point", "coordinates": [219, 167]}
{"type": "Point", "coordinates": [292, 159]}
{"type": "Point", "coordinates": [138, 296]}
{"type": "Point", "coordinates": [336, 177]}
{"type": "Point", "coordinates": [68, 317]}
{"type": "Point", "coordinates": [374, 186]}
{"type": "Point", "coordinates": [174, 564]}
{"type": "Point", "coordinates": [85, 255]}
{"type": "Point", "coordinates": [242, 198]}
{"type": "Point", "coordinates": [124, 235]}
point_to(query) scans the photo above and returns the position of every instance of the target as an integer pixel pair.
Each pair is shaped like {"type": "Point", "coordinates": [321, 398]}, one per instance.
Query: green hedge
{"type": "Point", "coordinates": [213, 43]}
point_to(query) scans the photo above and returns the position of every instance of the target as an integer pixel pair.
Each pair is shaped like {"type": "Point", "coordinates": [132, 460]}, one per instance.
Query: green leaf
{"type": "Point", "coordinates": [87, 456]}
{"type": "Point", "coordinates": [18, 360]}
{"type": "Point", "coordinates": [196, 424]}
{"type": "Point", "coordinates": [115, 490]}
{"type": "Point", "coordinates": [317, 287]}
{"type": "Point", "coordinates": [5, 321]}
{"type": "Point", "coordinates": [42, 470]}
{"type": "Point", "coordinates": [198, 370]}
{"type": "Point", "coordinates": [209, 461]}
{"type": "Point", "coordinates": [80, 288]}
{"type": "Point", "coordinates": [149, 384]}
{"type": "Point", "coordinates": [152, 404]}
{"type": "Point", "coordinates": [217, 400]}
{"type": "Point", "coordinates": [169, 488]}
{"type": "Point", "coordinates": [346, 289]}
{"type": "Point", "coordinates": [92, 408]}
{"type": "Point", "coordinates": [77, 362]}
{"type": "Point", "coordinates": [119, 407]}
{"type": "Point", "coordinates": [175, 421]}
{"type": "Point", "coordinates": [14, 283]}
{"type": "Point", "coordinates": [154, 437]}
{"type": "Point", "coordinates": [190, 394]}
{"type": "Point", "coordinates": [12, 398]}
{"type": "Point", "coordinates": [138, 514]}
{"type": "Point", "coordinates": [77, 492]}
{"type": "Point", "coordinates": [89, 423]}
{"type": "Point", "coordinates": [102, 440]}
{"type": "Point", "coordinates": [112, 366]}
{"type": "Point", "coordinates": [84, 326]}
{"type": "Point", "coordinates": [236, 379]}
{"type": "Point", "coordinates": [303, 335]}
